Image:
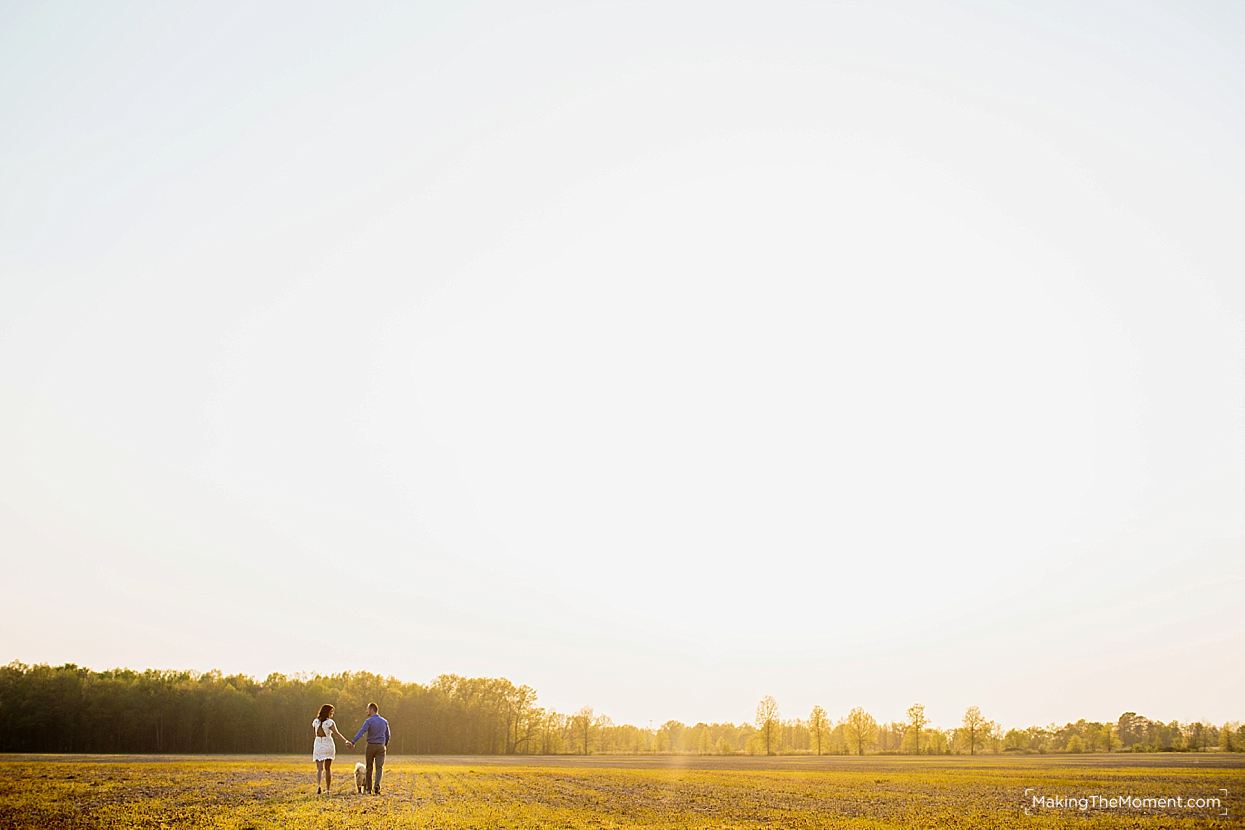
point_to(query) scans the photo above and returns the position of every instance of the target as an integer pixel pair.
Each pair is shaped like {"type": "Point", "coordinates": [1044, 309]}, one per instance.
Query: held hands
{"type": "Point", "coordinates": [350, 744]}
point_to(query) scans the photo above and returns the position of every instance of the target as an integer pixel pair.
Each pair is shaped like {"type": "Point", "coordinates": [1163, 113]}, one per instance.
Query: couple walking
{"type": "Point", "coordinates": [324, 748]}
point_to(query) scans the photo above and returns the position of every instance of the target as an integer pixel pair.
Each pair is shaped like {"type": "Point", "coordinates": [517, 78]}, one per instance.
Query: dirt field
{"type": "Point", "coordinates": [615, 791]}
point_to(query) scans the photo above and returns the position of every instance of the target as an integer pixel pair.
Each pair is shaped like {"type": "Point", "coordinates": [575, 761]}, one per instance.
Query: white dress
{"type": "Point", "coordinates": [324, 749]}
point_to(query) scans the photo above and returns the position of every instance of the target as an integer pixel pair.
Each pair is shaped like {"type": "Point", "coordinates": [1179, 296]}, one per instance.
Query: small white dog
{"type": "Point", "coordinates": [360, 777]}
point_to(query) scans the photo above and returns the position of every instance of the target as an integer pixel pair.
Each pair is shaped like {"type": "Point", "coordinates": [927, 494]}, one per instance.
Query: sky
{"type": "Point", "coordinates": [659, 355]}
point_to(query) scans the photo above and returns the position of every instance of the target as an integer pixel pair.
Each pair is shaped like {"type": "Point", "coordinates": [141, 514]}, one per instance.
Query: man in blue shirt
{"type": "Point", "coordinates": [377, 730]}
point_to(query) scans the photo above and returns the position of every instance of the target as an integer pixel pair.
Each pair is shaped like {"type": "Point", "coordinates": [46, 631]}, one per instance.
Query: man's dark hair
{"type": "Point", "coordinates": [373, 707]}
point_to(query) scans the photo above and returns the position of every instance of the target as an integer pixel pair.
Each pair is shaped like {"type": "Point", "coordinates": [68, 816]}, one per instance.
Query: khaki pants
{"type": "Point", "coordinates": [375, 755]}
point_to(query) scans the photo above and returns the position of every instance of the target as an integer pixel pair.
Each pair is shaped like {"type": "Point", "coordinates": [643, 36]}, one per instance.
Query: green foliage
{"type": "Point", "coordinates": [69, 709]}
{"type": "Point", "coordinates": [72, 709]}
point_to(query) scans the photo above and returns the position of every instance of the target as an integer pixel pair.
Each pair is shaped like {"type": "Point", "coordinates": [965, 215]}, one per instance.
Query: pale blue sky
{"type": "Point", "coordinates": [659, 355]}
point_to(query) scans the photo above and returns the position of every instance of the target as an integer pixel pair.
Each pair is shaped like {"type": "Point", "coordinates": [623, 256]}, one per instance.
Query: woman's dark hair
{"type": "Point", "coordinates": [325, 711]}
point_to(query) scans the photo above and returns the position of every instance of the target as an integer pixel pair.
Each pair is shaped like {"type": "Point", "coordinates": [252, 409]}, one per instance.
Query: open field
{"type": "Point", "coordinates": [614, 791]}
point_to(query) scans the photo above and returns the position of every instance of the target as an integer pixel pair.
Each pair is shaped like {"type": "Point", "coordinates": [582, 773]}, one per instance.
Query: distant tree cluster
{"type": "Point", "coordinates": [73, 709]}
{"type": "Point", "coordinates": [859, 733]}
{"type": "Point", "coordinates": [1131, 733]}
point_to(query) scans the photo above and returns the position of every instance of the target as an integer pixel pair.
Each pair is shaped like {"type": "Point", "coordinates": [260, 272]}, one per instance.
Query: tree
{"type": "Point", "coordinates": [670, 733]}
{"type": "Point", "coordinates": [861, 729]}
{"type": "Point", "coordinates": [582, 724]}
{"type": "Point", "coordinates": [767, 721]}
{"type": "Point", "coordinates": [521, 714]}
{"type": "Point", "coordinates": [1125, 728]}
{"type": "Point", "coordinates": [916, 722]}
{"type": "Point", "coordinates": [1108, 737]}
{"type": "Point", "coordinates": [1195, 736]}
{"type": "Point", "coordinates": [818, 725]}
{"type": "Point", "coordinates": [975, 726]}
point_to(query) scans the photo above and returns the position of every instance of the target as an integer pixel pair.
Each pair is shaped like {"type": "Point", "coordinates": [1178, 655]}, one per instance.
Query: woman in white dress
{"type": "Point", "coordinates": [324, 749]}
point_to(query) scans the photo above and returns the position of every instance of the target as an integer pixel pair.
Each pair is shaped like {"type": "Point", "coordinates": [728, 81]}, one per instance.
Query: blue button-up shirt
{"type": "Point", "coordinates": [377, 729]}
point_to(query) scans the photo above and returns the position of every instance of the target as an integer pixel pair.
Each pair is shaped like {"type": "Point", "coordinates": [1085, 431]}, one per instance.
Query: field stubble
{"type": "Point", "coordinates": [239, 792]}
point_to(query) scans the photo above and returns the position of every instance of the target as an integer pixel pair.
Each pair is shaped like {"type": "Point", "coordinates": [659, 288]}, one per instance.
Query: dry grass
{"type": "Point", "coordinates": [270, 792]}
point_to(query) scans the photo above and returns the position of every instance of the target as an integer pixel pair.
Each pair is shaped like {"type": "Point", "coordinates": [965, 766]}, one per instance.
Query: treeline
{"type": "Point", "coordinates": [860, 733]}
{"type": "Point", "coordinates": [74, 709]}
